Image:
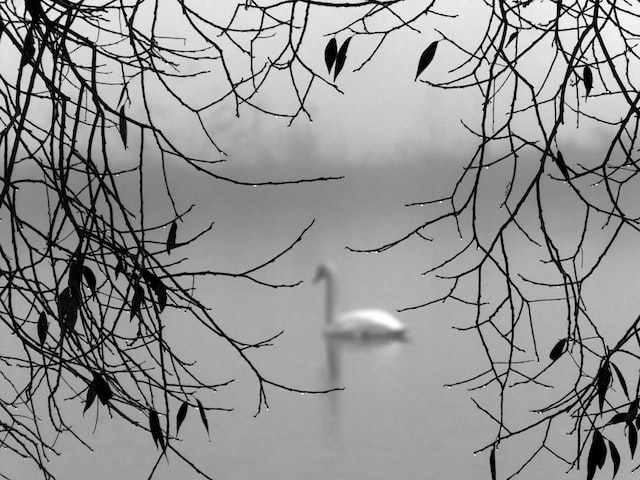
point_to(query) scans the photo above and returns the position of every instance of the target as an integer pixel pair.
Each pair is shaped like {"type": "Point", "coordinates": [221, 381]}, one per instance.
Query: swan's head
{"type": "Point", "coordinates": [324, 271]}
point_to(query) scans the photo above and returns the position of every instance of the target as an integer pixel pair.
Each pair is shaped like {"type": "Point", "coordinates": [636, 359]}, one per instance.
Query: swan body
{"type": "Point", "coordinates": [366, 323]}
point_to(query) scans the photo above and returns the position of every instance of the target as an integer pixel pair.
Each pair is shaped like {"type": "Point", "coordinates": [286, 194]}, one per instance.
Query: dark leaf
{"type": "Point", "coordinates": [70, 320]}
{"type": "Point", "coordinates": [623, 383]}
{"type": "Point", "coordinates": [492, 463]}
{"type": "Point", "coordinates": [161, 295]}
{"type": "Point", "coordinates": [171, 238]}
{"type": "Point", "coordinates": [122, 126]}
{"type": "Point", "coordinates": [119, 267]}
{"type": "Point", "coordinates": [182, 413]}
{"type": "Point", "coordinates": [149, 277]}
{"type": "Point", "coordinates": [90, 278]}
{"type": "Point", "coordinates": [632, 413]}
{"type": "Point", "coordinates": [426, 58]}
{"type": "Point", "coordinates": [587, 78]}
{"type": "Point", "coordinates": [102, 388]}
{"type": "Point", "coordinates": [43, 326]}
{"type": "Point", "coordinates": [615, 457]}
{"type": "Point", "coordinates": [341, 58]}
{"type": "Point", "coordinates": [63, 301]}
{"type": "Point", "coordinates": [638, 423]}
{"type": "Point", "coordinates": [512, 37]}
{"type": "Point", "coordinates": [330, 52]}
{"type": "Point", "coordinates": [633, 439]}
{"type": "Point", "coordinates": [158, 288]}
{"type": "Point", "coordinates": [562, 165]}
{"type": "Point", "coordinates": [603, 457]}
{"type": "Point", "coordinates": [75, 277]}
{"type": "Point", "coordinates": [603, 381]}
{"type": "Point", "coordinates": [91, 396]}
{"type": "Point", "coordinates": [136, 301]}
{"type": "Point", "coordinates": [67, 309]}
{"type": "Point", "coordinates": [597, 454]}
{"type": "Point", "coordinates": [558, 349]}
{"type": "Point", "coordinates": [618, 418]}
{"type": "Point", "coordinates": [203, 416]}
{"type": "Point", "coordinates": [156, 430]}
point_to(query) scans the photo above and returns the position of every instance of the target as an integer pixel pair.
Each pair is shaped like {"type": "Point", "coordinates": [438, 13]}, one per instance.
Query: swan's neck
{"type": "Point", "coordinates": [329, 308]}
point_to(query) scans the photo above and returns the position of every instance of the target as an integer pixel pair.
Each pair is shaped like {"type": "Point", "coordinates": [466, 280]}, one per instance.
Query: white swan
{"type": "Point", "coordinates": [367, 323]}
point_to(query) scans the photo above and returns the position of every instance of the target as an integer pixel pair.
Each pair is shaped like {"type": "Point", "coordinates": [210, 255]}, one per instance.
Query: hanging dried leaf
{"type": "Point", "coordinates": [90, 278]}
{"type": "Point", "coordinates": [492, 463]}
{"type": "Point", "coordinates": [621, 379]}
{"type": "Point", "coordinates": [603, 381]}
{"type": "Point", "coordinates": [75, 277]}
{"type": "Point", "coordinates": [171, 238]}
{"type": "Point", "coordinates": [618, 418]}
{"type": "Point", "coordinates": [158, 288]}
{"type": "Point", "coordinates": [203, 416]}
{"type": "Point", "coordinates": [597, 454]}
{"type": "Point", "coordinates": [562, 165]}
{"type": "Point", "coordinates": [102, 388]}
{"type": "Point", "coordinates": [632, 434]}
{"type": "Point", "coordinates": [512, 37]}
{"type": "Point", "coordinates": [67, 309]}
{"type": "Point", "coordinates": [341, 58]}
{"type": "Point", "coordinates": [426, 58]}
{"type": "Point", "coordinates": [136, 301]}
{"type": "Point", "coordinates": [615, 457]}
{"type": "Point", "coordinates": [587, 78]}
{"type": "Point", "coordinates": [122, 126]}
{"type": "Point", "coordinates": [43, 326]}
{"type": "Point", "coordinates": [156, 430]}
{"type": "Point", "coordinates": [330, 52]}
{"type": "Point", "coordinates": [91, 396]}
{"type": "Point", "coordinates": [63, 302]}
{"type": "Point", "coordinates": [149, 277]}
{"type": "Point", "coordinates": [182, 414]}
{"type": "Point", "coordinates": [161, 296]}
{"type": "Point", "coordinates": [632, 413]}
{"type": "Point", "coordinates": [119, 267]}
{"type": "Point", "coordinates": [637, 423]}
{"type": "Point", "coordinates": [558, 349]}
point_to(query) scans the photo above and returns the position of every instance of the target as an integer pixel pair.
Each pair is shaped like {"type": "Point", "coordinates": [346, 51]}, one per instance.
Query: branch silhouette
{"type": "Point", "coordinates": [86, 285]}
{"type": "Point", "coordinates": [583, 56]}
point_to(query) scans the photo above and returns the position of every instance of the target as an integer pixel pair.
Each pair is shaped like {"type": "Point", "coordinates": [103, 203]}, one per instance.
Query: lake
{"type": "Point", "coordinates": [395, 418]}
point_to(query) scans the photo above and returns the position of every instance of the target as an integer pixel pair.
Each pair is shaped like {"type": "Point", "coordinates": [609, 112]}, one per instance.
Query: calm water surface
{"type": "Point", "coordinates": [394, 418]}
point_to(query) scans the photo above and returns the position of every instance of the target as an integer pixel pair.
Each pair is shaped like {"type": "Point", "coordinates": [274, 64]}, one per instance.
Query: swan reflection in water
{"type": "Point", "coordinates": [336, 346]}
{"type": "Point", "coordinates": [357, 329]}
